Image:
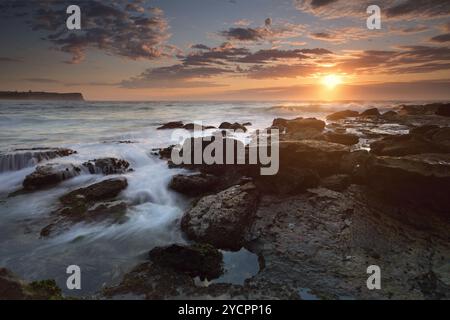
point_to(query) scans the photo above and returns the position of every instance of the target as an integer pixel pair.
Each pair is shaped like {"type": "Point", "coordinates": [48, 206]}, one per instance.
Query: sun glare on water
{"type": "Point", "coordinates": [331, 81]}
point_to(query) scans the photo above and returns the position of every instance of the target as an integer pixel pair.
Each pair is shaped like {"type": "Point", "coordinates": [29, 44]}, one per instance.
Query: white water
{"type": "Point", "coordinates": [105, 252]}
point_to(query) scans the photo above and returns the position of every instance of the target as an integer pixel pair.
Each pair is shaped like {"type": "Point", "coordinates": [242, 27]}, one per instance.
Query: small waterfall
{"type": "Point", "coordinates": [20, 159]}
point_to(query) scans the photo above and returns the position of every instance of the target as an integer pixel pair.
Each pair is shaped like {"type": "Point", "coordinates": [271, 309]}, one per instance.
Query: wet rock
{"type": "Point", "coordinates": [194, 184]}
{"type": "Point", "coordinates": [321, 156]}
{"type": "Point", "coordinates": [103, 190]}
{"type": "Point", "coordinates": [427, 109]}
{"type": "Point", "coordinates": [373, 112]}
{"type": "Point", "coordinates": [423, 179]}
{"type": "Point", "coordinates": [232, 126]}
{"type": "Point", "coordinates": [13, 288]}
{"type": "Point", "coordinates": [164, 153]}
{"type": "Point", "coordinates": [50, 174]}
{"type": "Point", "coordinates": [301, 125]}
{"type": "Point", "coordinates": [443, 110]}
{"type": "Point", "coordinates": [288, 181]}
{"type": "Point", "coordinates": [342, 138]}
{"type": "Point", "coordinates": [197, 260]}
{"type": "Point", "coordinates": [337, 182]}
{"type": "Point", "coordinates": [400, 145]}
{"type": "Point", "coordinates": [22, 158]}
{"type": "Point", "coordinates": [171, 125]}
{"type": "Point", "coordinates": [107, 166]}
{"type": "Point", "coordinates": [247, 124]}
{"type": "Point", "coordinates": [221, 219]}
{"type": "Point", "coordinates": [342, 115]}
{"type": "Point", "coordinates": [354, 164]}
{"type": "Point", "coordinates": [389, 115]}
{"type": "Point", "coordinates": [89, 204]}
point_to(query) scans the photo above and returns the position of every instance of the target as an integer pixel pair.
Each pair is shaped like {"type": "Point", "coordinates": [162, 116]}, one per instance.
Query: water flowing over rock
{"type": "Point", "coordinates": [221, 219]}
{"type": "Point", "coordinates": [54, 173]}
{"type": "Point", "coordinates": [23, 158]}
{"type": "Point", "coordinates": [107, 166]}
{"type": "Point", "coordinates": [89, 204]}
{"type": "Point", "coordinates": [50, 174]}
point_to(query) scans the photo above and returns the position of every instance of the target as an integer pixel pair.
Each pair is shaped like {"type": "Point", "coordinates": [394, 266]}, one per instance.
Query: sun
{"type": "Point", "coordinates": [331, 81]}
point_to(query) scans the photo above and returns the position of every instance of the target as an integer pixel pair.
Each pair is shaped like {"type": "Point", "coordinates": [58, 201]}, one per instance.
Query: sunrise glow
{"type": "Point", "coordinates": [331, 81]}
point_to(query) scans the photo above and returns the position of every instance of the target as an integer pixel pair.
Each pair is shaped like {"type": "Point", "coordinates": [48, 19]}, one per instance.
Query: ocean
{"type": "Point", "coordinates": [94, 130]}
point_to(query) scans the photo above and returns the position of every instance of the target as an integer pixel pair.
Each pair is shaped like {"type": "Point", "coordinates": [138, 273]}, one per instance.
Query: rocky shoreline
{"type": "Point", "coordinates": [347, 196]}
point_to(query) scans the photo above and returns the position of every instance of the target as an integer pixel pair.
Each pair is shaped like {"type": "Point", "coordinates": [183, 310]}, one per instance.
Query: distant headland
{"type": "Point", "coordinates": [30, 95]}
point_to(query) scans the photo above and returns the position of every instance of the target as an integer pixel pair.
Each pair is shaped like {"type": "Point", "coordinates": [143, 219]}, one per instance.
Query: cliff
{"type": "Point", "coordinates": [14, 95]}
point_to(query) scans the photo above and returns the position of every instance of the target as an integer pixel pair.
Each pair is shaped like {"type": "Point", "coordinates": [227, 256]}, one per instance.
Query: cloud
{"type": "Point", "coordinates": [10, 60]}
{"type": "Point", "coordinates": [201, 67]}
{"type": "Point", "coordinates": [441, 38]}
{"type": "Point", "coordinates": [407, 59]}
{"type": "Point", "coordinates": [391, 9]}
{"type": "Point", "coordinates": [268, 32]}
{"type": "Point", "coordinates": [120, 28]}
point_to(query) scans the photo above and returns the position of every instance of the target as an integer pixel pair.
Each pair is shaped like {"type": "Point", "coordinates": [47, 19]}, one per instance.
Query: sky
{"type": "Point", "coordinates": [228, 49]}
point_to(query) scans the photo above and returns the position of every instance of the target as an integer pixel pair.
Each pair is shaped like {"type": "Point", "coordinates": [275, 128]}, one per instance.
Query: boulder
{"type": "Point", "coordinates": [107, 166]}
{"type": "Point", "coordinates": [422, 179]}
{"type": "Point", "coordinates": [321, 156]}
{"type": "Point", "coordinates": [400, 145]}
{"type": "Point", "coordinates": [104, 190]}
{"type": "Point", "coordinates": [222, 219]}
{"type": "Point", "coordinates": [342, 115]}
{"type": "Point", "coordinates": [49, 174]}
{"type": "Point", "coordinates": [342, 138]}
{"type": "Point", "coordinates": [389, 115]}
{"type": "Point", "coordinates": [443, 110]}
{"type": "Point", "coordinates": [299, 125]}
{"type": "Point", "coordinates": [171, 125]}
{"type": "Point", "coordinates": [197, 260]}
{"type": "Point", "coordinates": [195, 184]}
{"type": "Point", "coordinates": [288, 181]}
{"type": "Point", "coordinates": [89, 204]}
{"type": "Point", "coordinates": [337, 182]}
{"type": "Point", "coordinates": [22, 158]}
{"type": "Point", "coordinates": [373, 112]}
{"type": "Point", "coordinates": [232, 126]}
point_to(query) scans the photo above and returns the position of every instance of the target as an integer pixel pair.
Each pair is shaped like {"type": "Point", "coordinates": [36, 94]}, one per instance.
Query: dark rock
{"type": "Point", "coordinates": [373, 112]}
{"type": "Point", "coordinates": [342, 138]}
{"type": "Point", "coordinates": [321, 156]}
{"type": "Point", "coordinates": [247, 124]}
{"type": "Point", "coordinates": [171, 125]}
{"type": "Point", "coordinates": [89, 204]}
{"type": "Point", "coordinates": [13, 288]}
{"type": "Point", "coordinates": [103, 190]}
{"type": "Point", "coordinates": [107, 166]}
{"type": "Point", "coordinates": [423, 179]}
{"type": "Point", "coordinates": [443, 110]}
{"type": "Point", "coordinates": [342, 115]}
{"type": "Point", "coordinates": [221, 219]}
{"type": "Point", "coordinates": [300, 128]}
{"type": "Point", "coordinates": [288, 181]}
{"type": "Point", "coordinates": [50, 174]}
{"type": "Point", "coordinates": [164, 153]}
{"type": "Point", "coordinates": [389, 115]}
{"type": "Point", "coordinates": [22, 158]}
{"type": "Point", "coordinates": [401, 145]}
{"type": "Point", "coordinates": [197, 260]}
{"type": "Point", "coordinates": [194, 184]}
{"type": "Point", "coordinates": [232, 126]}
{"type": "Point", "coordinates": [337, 182]}
{"type": "Point", "coordinates": [354, 164]}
